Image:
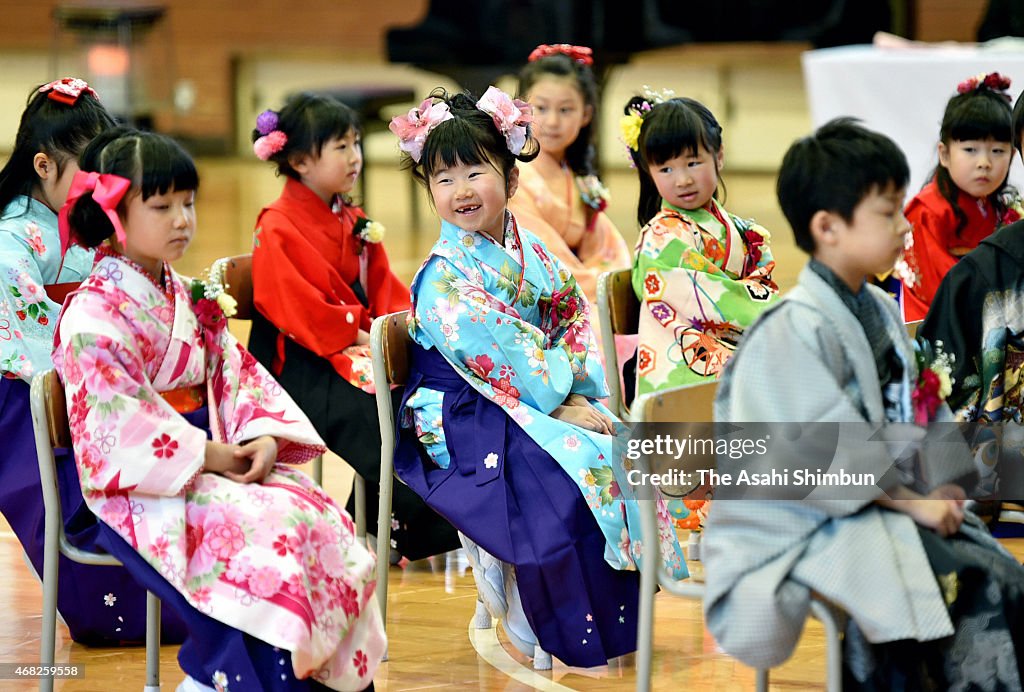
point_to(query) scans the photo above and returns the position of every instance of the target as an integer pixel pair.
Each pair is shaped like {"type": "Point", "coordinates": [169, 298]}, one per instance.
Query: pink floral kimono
{"type": "Point", "coordinates": [277, 560]}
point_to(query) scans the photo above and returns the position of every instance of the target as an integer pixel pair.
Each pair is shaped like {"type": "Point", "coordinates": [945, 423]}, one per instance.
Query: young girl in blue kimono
{"type": "Point", "coordinates": [38, 267]}
{"type": "Point", "coordinates": [500, 429]}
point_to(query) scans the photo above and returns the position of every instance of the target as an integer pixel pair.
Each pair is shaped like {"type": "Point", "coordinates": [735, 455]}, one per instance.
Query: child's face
{"type": "Point", "coordinates": [473, 196]}
{"type": "Point", "coordinates": [976, 166]}
{"type": "Point", "coordinates": [559, 113]}
{"type": "Point", "coordinates": [53, 184]}
{"type": "Point", "coordinates": [871, 242]}
{"type": "Point", "coordinates": [159, 229]}
{"type": "Point", "coordinates": [335, 170]}
{"type": "Point", "coordinates": [689, 180]}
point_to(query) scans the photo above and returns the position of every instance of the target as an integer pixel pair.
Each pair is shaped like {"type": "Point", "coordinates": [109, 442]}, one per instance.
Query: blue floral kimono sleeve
{"type": "Point", "coordinates": [502, 353]}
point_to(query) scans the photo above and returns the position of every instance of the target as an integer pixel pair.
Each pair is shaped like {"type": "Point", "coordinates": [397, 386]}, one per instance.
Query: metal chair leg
{"type": "Point", "coordinates": [359, 495]}
{"type": "Point", "coordinates": [152, 643]}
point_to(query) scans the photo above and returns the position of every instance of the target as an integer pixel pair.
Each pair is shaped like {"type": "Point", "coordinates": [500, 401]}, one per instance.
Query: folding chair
{"type": "Point", "coordinates": [389, 345]}
{"type": "Point", "coordinates": [235, 273]}
{"type": "Point", "coordinates": [694, 404]}
{"type": "Point", "coordinates": [50, 423]}
{"type": "Point", "coordinates": [618, 312]}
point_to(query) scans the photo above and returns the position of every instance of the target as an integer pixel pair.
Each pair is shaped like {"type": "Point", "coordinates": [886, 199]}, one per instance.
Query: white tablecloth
{"type": "Point", "coordinates": [903, 93]}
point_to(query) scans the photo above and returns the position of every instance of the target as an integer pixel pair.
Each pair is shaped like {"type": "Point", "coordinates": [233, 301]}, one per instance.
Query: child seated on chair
{"type": "Point", "coordinates": [184, 444]}
{"type": "Point", "coordinates": [701, 274]}
{"type": "Point", "coordinates": [501, 429]}
{"type": "Point", "coordinates": [934, 602]}
{"type": "Point", "coordinates": [320, 275]}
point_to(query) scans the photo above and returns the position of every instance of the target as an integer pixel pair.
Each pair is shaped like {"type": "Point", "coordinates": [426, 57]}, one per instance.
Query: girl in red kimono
{"type": "Point", "coordinates": [967, 198]}
{"type": "Point", "coordinates": [320, 276]}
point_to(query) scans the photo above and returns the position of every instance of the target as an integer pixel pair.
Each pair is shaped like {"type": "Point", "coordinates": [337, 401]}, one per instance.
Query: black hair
{"type": "Point", "coordinates": [671, 128]}
{"type": "Point", "coordinates": [580, 154]}
{"type": "Point", "coordinates": [981, 113]}
{"type": "Point", "coordinates": [309, 121]}
{"type": "Point", "coordinates": [55, 128]}
{"type": "Point", "coordinates": [833, 170]}
{"type": "Point", "coordinates": [1017, 122]}
{"type": "Point", "coordinates": [155, 164]}
{"type": "Point", "coordinates": [471, 138]}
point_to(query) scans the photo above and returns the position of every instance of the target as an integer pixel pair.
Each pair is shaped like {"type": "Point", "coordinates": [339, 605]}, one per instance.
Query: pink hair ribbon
{"type": "Point", "coordinates": [511, 116]}
{"type": "Point", "coordinates": [107, 190]}
{"type": "Point", "coordinates": [412, 129]}
{"type": "Point", "coordinates": [67, 90]}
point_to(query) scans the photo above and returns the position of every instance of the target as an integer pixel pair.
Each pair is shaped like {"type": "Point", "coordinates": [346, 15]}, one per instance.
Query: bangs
{"type": "Point", "coordinates": [167, 167]}
{"type": "Point", "coordinates": [681, 131]}
{"type": "Point", "coordinates": [452, 143]}
{"type": "Point", "coordinates": [329, 120]}
{"type": "Point", "coordinates": [979, 118]}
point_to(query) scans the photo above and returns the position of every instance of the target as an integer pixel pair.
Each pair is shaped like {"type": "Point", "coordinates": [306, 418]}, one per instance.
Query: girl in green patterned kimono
{"type": "Point", "coordinates": [701, 273]}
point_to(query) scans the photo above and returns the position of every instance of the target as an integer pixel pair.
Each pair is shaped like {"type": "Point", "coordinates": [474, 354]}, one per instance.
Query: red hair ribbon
{"type": "Point", "coordinates": [580, 54]}
{"type": "Point", "coordinates": [107, 190]}
{"type": "Point", "coordinates": [68, 90]}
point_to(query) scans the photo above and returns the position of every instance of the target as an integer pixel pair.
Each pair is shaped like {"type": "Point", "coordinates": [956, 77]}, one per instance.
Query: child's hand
{"type": "Point", "coordinates": [363, 338]}
{"type": "Point", "coordinates": [943, 516]}
{"type": "Point", "coordinates": [220, 458]}
{"type": "Point", "coordinates": [576, 400]}
{"type": "Point", "coordinates": [586, 417]}
{"type": "Point", "coordinates": [942, 510]}
{"type": "Point", "coordinates": [258, 457]}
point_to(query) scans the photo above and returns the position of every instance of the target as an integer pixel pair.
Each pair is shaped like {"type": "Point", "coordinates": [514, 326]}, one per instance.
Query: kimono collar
{"type": "Point", "coordinates": [296, 192]}
{"type": "Point", "coordinates": [814, 291]}
{"type": "Point", "coordinates": [709, 214]}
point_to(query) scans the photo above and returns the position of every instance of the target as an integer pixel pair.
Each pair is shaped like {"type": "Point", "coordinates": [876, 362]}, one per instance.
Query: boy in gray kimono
{"type": "Point", "coordinates": [933, 601]}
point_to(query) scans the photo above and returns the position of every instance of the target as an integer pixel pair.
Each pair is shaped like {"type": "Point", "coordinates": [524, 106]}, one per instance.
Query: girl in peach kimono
{"type": "Point", "coordinates": [561, 199]}
{"type": "Point", "coordinates": [184, 445]}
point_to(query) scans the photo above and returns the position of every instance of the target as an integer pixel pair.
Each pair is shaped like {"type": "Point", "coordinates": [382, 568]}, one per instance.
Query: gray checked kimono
{"type": "Point", "coordinates": [807, 359]}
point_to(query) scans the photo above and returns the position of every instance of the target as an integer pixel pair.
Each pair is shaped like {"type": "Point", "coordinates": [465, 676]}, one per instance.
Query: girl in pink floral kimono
{"type": "Point", "coordinates": [184, 444]}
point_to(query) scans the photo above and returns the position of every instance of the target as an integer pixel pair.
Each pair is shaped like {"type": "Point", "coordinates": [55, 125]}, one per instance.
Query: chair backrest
{"type": "Point", "coordinates": [693, 403]}
{"type": "Point", "coordinates": [618, 311]}
{"type": "Point", "coordinates": [56, 410]}
{"type": "Point", "coordinates": [912, 328]}
{"type": "Point", "coordinates": [238, 283]}
{"type": "Point", "coordinates": [394, 346]}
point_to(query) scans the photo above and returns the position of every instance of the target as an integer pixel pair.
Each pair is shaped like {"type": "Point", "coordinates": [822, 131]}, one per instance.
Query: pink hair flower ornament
{"type": "Point", "coordinates": [68, 90]}
{"type": "Point", "coordinates": [412, 129]}
{"type": "Point", "coordinates": [511, 116]}
{"type": "Point", "coordinates": [272, 139]}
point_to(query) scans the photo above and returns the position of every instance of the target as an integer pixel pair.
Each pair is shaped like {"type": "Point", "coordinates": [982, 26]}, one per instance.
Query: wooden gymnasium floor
{"type": "Point", "coordinates": [431, 601]}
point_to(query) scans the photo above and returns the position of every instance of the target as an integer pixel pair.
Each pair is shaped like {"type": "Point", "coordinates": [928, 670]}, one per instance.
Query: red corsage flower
{"type": "Point", "coordinates": [209, 314]}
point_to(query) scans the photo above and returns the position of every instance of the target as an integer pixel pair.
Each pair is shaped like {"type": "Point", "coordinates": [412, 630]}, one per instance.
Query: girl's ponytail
{"type": "Point", "coordinates": [90, 223]}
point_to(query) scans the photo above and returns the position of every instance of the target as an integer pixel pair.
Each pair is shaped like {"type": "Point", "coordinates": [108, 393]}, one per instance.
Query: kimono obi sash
{"type": "Point", "coordinates": [186, 399]}
{"type": "Point", "coordinates": [474, 426]}
{"type": "Point", "coordinates": [58, 292]}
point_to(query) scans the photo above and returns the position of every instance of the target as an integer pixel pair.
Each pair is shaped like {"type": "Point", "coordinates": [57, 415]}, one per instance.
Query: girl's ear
{"type": "Point", "coordinates": [300, 162]}
{"type": "Point", "coordinates": [588, 115]}
{"type": "Point", "coordinates": [513, 182]}
{"type": "Point", "coordinates": [822, 228]}
{"type": "Point", "coordinates": [943, 155]}
{"type": "Point", "coordinates": [45, 167]}
{"type": "Point", "coordinates": [720, 158]}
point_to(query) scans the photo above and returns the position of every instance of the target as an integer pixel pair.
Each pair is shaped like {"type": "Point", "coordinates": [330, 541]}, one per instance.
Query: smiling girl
{"type": "Point", "coordinates": [501, 428]}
